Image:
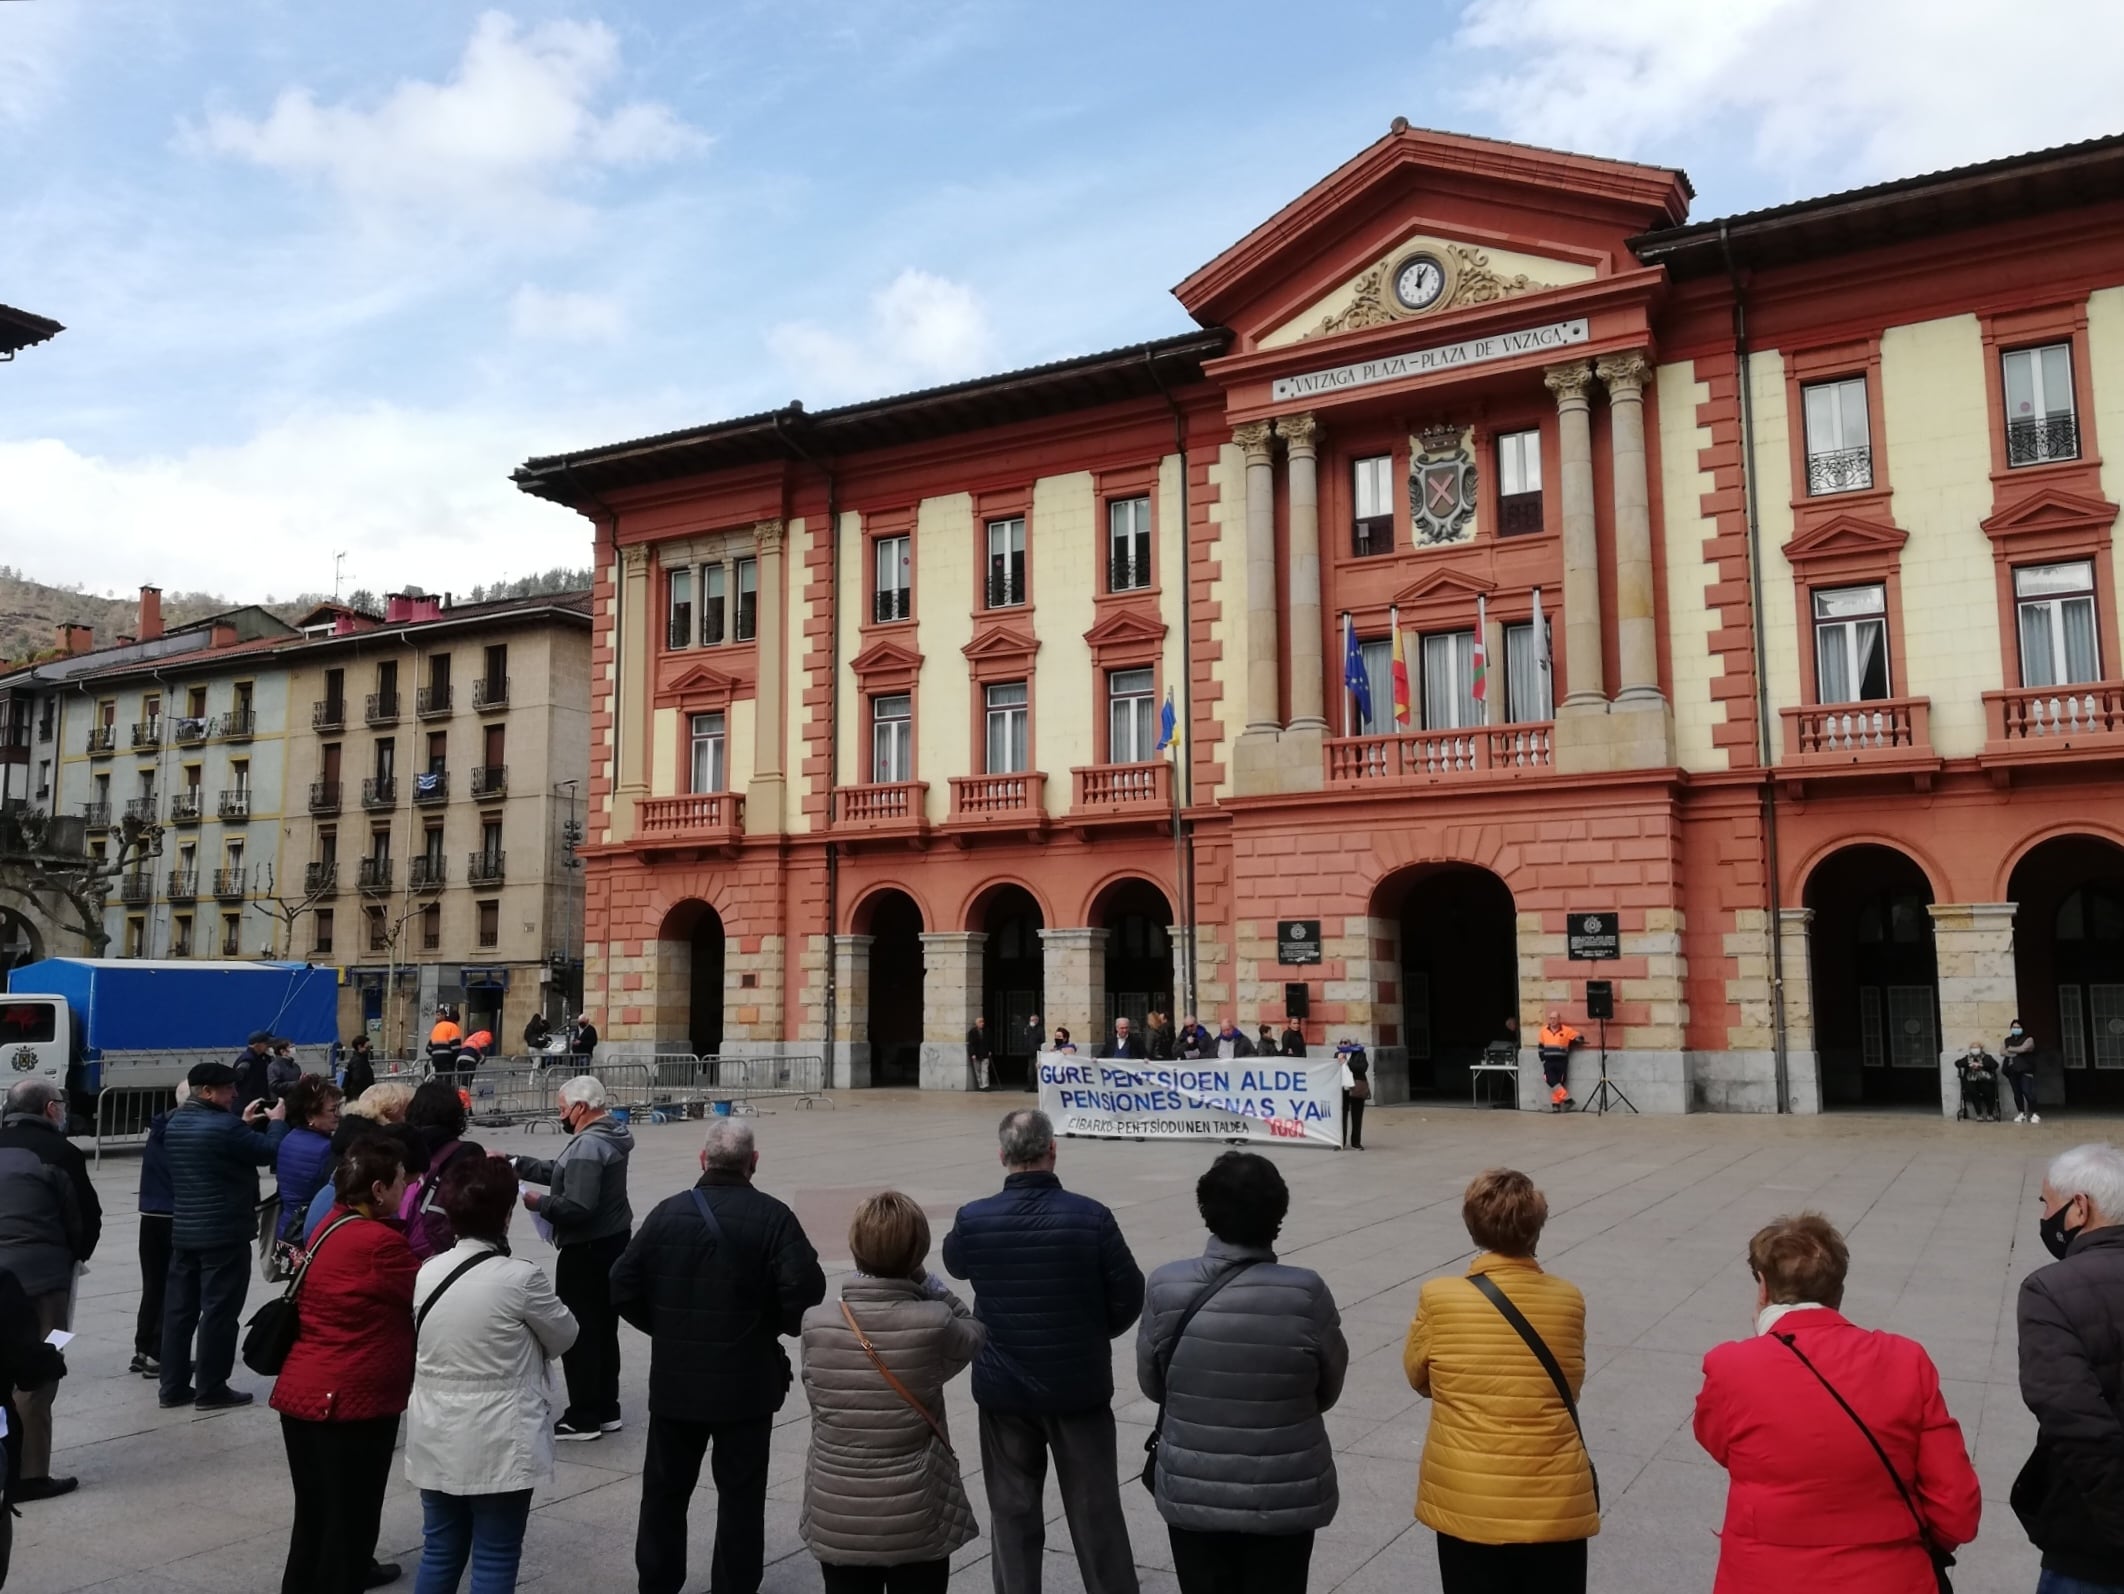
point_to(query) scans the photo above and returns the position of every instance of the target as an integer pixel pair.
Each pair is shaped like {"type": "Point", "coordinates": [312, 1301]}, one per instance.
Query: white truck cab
{"type": "Point", "coordinates": [36, 1038]}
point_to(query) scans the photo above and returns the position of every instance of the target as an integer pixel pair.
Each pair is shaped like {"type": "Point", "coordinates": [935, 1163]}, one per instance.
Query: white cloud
{"type": "Point", "coordinates": [921, 329]}
{"type": "Point", "coordinates": [540, 316]}
{"type": "Point", "coordinates": [1823, 89]}
{"type": "Point", "coordinates": [515, 123]}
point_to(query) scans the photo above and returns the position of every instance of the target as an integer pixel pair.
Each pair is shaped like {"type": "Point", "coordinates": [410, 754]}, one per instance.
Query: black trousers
{"type": "Point", "coordinates": [1465, 1568]}
{"type": "Point", "coordinates": [2023, 1092]}
{"type": "Point", "coordinates": [582, 1278]}
{"type": "Point", "coordinates": [154, 1282]}
{"type": "Point", "coordinates": [205, 1293]}
{"type": "Point", "coordinates": [1240, 1563]}
{"type": "Point", "coordinates": [670, 1469]}
{"type": "Point", "coordinates": [1353, 1120]}
{"type": "Point", "coordinates": [910, 1577]}
{"type": "Point", "coordinates": [340, 1471]}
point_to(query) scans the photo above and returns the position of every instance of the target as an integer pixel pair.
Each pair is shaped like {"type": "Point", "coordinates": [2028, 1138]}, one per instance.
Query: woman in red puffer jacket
{"type": "Point", "coordinates": [347, 1379]}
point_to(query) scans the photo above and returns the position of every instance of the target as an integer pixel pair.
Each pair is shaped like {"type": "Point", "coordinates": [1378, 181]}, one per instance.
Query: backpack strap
{"type": "Point", "coordinates": [1542, 1354]}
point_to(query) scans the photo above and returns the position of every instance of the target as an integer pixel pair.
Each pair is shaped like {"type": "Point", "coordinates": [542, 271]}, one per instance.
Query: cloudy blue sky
{"type": "Point", "coordinates": [330, 271]}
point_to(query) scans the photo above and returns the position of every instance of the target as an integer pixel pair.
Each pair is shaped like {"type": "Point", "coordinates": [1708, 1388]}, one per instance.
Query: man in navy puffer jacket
{"type": "Point", "coordinates": [1055, 1284]}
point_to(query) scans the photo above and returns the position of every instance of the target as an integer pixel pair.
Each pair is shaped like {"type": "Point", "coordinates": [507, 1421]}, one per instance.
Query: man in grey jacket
{"type": "Point", "coordinates": [1245, 1474]}
{"type": "Point", "coordinates": [586, 1205]}
{"type": "Point", "coordinates": [50, 1220]}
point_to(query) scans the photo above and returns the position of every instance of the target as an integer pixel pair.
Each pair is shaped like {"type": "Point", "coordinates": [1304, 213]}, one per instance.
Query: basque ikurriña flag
{"type": "Point", "coordinates": [1480, 689]}
{"type": "Point", "coordinates": [1353, 677]}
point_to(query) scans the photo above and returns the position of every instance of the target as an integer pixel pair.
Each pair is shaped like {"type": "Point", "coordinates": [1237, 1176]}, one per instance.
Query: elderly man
{"type": "Point", "coordinates": [214, 1158]}
{"type": "Point", "coordinates": [1123, 1043]}
{"type": "Point", "coordinates": [586, 1205]}
{"type": "Point", "coordinates": [2070, 1495]}
{"type": "Point", "coordinates": [49, 1223]}
{"type": "Point", "coordinates": [1054, 1283]}
{"type": "Point", "coordinates": [980, 1053]}
{"type": "Point", "coordinates": [716, 1277]}
{"type": "Point", "coordinates": [250, 1065]}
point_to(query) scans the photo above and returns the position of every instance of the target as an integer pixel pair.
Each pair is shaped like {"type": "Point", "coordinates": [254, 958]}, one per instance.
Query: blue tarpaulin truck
{"type": "Point", "coordinates": [110, 1024]}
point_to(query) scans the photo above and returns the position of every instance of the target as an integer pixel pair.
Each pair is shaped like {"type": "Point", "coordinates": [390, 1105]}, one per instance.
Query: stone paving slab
{"type": "Point", "coordinates": [1648, 1215]}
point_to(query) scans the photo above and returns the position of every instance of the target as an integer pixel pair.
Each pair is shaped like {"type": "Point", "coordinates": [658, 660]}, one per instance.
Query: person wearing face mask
{"type": "Point", "coordinates": [1979, 1073]}
{"type": "Point", "coordinates": [2018, 1051]}
{"type": "Point", "coordinates": [2070, 1495]}
{"type": "Point", "coordinates": [1795, 1413]}
{"type": "Point", "coordinates": [586, 1204]}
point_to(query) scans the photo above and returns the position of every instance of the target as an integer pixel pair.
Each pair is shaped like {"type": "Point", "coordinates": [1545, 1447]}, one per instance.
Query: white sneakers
{"type": "Point", "coordinates": [2028, 1117]}
{"type": "Point", "coordinates": [2020, 1118]}
{"type": "Point", "coordinates": [2035, 1117]}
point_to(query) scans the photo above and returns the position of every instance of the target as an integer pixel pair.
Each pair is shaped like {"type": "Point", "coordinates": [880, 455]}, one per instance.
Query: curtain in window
{"type": "Point", "coordinates": [2038, 649]}
{"type": "Point", "coordinates": [1872, 637]}
{"type": "Point", "coordinates": [1832, 664]}
{"type": "Point", "coordinates": [1448, 680]}
{"type": "Point", "coordinates": [2080, 651]}
{"type": "Point", "coordinates": [1007, 749]}
{"type": "Point", "coordinates": [1526, 689]}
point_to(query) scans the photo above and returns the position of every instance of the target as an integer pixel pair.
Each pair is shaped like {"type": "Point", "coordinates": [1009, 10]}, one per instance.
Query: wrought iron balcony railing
{"type": "Point", "coordinates": [892, 603]}
{"type": "Point", "coordinates": [97, 816]}
{"type": "Point", "coordinates": [427, 873]}
{"type": "Point", "coordinates": [485, 868]}
{"type": "Point", "coordinates": [379, 791]}
{"type": "Point", "coordinates": [231, 883]}
{"type": "Point", "coordinates": [1840, 470]}
{"type": "Point", "coordinates": [148, 733]}
{"type": "Point", "coordinates": [184, 807]}
{"type": "Point", "coordinates": [490, 780]}
{"type": "Point", "coordinates": [2038, 441]}
{"type": "Point", "coordinates": [432, 702]}
{"type": "Point", "coordinates": [184, 884]}
{"type": "Point", "coordinates": [236, 804]}
{"type": "Point", "coordinates": [328, 714]}
{"type": "Point", "coordinates": [141, 808]}
{"type": "Point", "coordinates": [373, 874]}
{"type": "Point", "coordinates": [432, 786]}
{"type": "Point", "coordinates": [102, 739]}
{"type": "Point", "coordinates": [319, 877]}
{"type": "Point", "coordinates": [490, 691]}
{"type": "Point", "coordinates": [324, 796]}
{"type": "Point", "coordinates": [237, 725]}
{"type": "Point", "coordinates": [139, 886]}
{"type": "Point", "coordinates": [1519, 514]}
{"type": "Point", "coordinates": [382, 708]}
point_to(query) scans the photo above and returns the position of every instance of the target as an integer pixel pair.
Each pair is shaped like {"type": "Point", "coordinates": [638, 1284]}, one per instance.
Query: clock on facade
{"type": "Point", "coordinates": [1418, 281]}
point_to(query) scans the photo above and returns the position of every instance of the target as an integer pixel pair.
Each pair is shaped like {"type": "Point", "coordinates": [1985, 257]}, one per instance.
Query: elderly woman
{"type": "Point", "coordinates": [379, 1110]}
{"type": "Point", "coordinates": [479, 1431]}
{"type": "Point", "coordinates": [1794, 1415]}
{"type": "Point", "coordinates": [346, 1380]}
{"type": "Point", "coordinates": [304, 1161]}
{"type": "Point", "coordinates": [1505, 1481]}
{"type": "Point", "coordinates": [1244, 1356]}
{"type": "Point", "coordinates": [884, 1506]}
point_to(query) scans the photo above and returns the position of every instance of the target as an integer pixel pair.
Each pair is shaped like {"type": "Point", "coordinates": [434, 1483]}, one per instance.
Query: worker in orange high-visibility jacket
{"type": "Point", "coordinates": [1554, 1044]}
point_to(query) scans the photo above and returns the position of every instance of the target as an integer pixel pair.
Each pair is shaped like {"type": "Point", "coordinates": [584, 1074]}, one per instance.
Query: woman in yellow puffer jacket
{"type": "Point", "coordinates": [1506, 1482]}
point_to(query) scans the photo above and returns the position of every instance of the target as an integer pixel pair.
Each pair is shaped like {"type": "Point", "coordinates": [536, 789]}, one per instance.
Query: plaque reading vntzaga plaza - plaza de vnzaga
{"type": "Point", "coordinates": [1421, 362]}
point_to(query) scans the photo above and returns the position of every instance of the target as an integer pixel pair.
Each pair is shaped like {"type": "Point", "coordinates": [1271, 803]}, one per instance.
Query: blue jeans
{"type": "Point", "coordinates": [2059, 1583]}
{"type": "Point", "coordinates": [486, 1529]}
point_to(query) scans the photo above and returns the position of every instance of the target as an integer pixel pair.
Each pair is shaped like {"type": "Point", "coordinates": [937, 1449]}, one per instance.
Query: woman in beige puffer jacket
{"type": "Point", "coordinates": [884, 1506]}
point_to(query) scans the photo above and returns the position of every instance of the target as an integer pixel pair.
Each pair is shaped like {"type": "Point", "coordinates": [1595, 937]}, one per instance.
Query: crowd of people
{"type": "Point", "coordinates": [1846, 1469]}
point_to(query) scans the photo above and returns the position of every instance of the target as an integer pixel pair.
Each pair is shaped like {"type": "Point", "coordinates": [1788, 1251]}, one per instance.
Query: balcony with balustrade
{"type": "Point", "coordinates": [320, 877]}
{"type": "Point", "coordinates": [373, 875]}
{"type": "Point", "coordinates": [1840, 470]}
{"type": "Point", "coordinates": [2052, 725]}
{"type": "Point", "coordinates": [429, 872]}
{"type": "Point", "coordinates": [136, 886]}
{"type": "Point", "coordinates": [432, 786]}
{"type": "Point", "coordinates": [237, 725]}
{"type": "Point", "coordinates": [713, 819]}
{"type": "Point", "coordinates": [96, 816]}
{"type": "Point", "coordinates": [379, 791]}
{"type": "Point", "coordinates": [232, 885]}
{"type": "Point", "coordinates": [490, 780]}
{"type": "Point", "coordinates": [189, 730]}
{"type": "Point", "coordinates": [1883, 736]}
{"type": "Point", "coordinates": [142, 809]}
{"type": "Point", "coordinates": [1105, 795]}
{"type": "Point", "coordinates": [184, 885]}
{"type": "Point", "coordinates": [888, 809]}
{"type": "Point", "coordinates": [490, 692]}
{"type": "Point", "coordinates": [328, 714]}
{"type": "Point", "coordinates": [185, 806]}
{"type": "Point", "coordinates": [432, 702]}
{"type": "Point", "coordinates": [147, 734]}
{"type": "Point", "coordinates": [2039, 440]}
{"type": "Point", "coordinates": [382, 708]}
{"type": "Point", "coordinates": [1016, 802]}
{"type": "Point", "coordinates": [486, 868]}
{"type": "Point", "coordinates": [235, 805]}
{"type": "Point", "coordinates": [324, 796]}
{"type": "Point", "coordinates": [1470, 756]}
{"type": "Point", "coordinates": [102, 740]}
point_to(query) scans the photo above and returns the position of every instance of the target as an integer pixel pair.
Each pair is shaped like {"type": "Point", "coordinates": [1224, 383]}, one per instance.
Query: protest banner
{"type": "Point", "coordinates": [1287, 1101]}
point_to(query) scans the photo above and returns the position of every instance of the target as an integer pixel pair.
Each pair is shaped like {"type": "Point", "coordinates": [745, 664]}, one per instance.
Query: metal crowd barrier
{"type": "Point", "coordinates": [124, 1112]}
{"type": "Point", "coordinates": [662, 1087]}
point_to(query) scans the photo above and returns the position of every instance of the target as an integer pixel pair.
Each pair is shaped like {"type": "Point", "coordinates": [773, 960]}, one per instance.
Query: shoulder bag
{"type": "Point", "coordinates": [1165, 1368]}
{"type": "Point", "coordinates": [892, 1378]}
{"type": "Point", "coordinates": [1512, 1314]}
{"type": "Point", "coordinates": [270, 1334]}
{"type": "Point", "coordinates": [1940, 1559]}
{"type": "Point", "coordinates": [455, 1274]}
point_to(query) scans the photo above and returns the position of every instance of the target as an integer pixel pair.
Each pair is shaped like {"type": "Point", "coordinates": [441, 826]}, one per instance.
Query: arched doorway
{"type": "Point", "coordinates": [1013, 978]}
{"type": "Point", "coordinates": [1876, 980]}
{"type": "Point", "coordinates": [19, 942]}
{"type": "Point", "coordinates": [1457, 969]}
{"type": "Point", "coordinates": [689, 978]}
{"type": "Point", "coordinates": [894, 924]}
{"type": "Point", "coordinates": [1138, 922]}
{"type": "Point", "coordinates": [2068, 964]}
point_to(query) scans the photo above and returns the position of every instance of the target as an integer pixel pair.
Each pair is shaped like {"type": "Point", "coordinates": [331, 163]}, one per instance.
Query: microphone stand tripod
{"type": "Point", "coordinates": [1598, 1101]}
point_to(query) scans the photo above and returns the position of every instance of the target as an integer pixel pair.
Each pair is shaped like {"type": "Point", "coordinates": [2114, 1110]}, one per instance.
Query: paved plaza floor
{"type": "Point", "coordinates": [1649, 1217]}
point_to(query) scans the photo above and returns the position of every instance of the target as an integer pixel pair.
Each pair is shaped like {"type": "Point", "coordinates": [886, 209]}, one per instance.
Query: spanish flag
{"type": "Point", "coordinates": [1401, 677]}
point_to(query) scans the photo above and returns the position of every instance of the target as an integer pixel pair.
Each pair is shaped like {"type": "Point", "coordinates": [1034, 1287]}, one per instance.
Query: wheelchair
{"type": "Point", "coordinates": [1979, 1095]}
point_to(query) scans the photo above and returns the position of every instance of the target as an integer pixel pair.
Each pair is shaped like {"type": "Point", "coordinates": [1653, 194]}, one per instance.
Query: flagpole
{"type": "Point", "coordinates": [1394, 656]}
{"type": "Point", "coordinates": [1482, 652]}
{"type": "Point", "coordinates": [1185, 981]}
{"type": "Point", "coordinates": [1346, 733]}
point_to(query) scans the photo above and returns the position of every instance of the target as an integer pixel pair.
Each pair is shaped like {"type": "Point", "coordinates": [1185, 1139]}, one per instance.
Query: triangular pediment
{"type": "Point", "coordinates": [1126, 627]}
{"type": "Point", "coordinates": [885, 655]}
{"type": "Point", "coordinates": [1001, 642]}
{"type": "Point", "coordinates": [1846, 534]}
{"type": "Point", "coordinates": [2051, 509]}
{"type": "Point", "coordinates": [701, 681]}
{"type": "Point", "coordinates": [1426, 274]}
{"type": "Point", "coordinates": [1445, 586]}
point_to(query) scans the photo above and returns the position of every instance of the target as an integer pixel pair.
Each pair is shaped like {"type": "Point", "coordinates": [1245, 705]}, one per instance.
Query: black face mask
{"type": "Point", "coordinates": [567, 1124]}
{"type": "Point", "coordinates": [2056, 1237]}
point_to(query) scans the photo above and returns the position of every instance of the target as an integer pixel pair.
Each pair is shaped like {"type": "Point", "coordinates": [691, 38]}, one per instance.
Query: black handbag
{"type": "Point", "coordinates": [1165, 1369]}
{"type": "Point", "coordinates": [271, 1332]}
{"type": "Point", "coordinates": [1941, 1560]}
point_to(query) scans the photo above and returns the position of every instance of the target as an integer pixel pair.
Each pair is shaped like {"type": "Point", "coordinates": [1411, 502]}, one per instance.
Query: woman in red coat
{"type": "Point", "coordinates": [1809, 1504]}
{"type": "Point", "coordinates": [347, 1379]}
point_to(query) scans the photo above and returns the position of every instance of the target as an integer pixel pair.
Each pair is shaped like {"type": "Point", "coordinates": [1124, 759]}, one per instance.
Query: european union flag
{"type": "Point", "coordinates": [1353, 676]}
{"type": "Point", "coordinates": [1168, 725]}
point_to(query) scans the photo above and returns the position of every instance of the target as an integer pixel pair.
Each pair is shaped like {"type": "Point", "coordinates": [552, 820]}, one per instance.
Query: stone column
{"type": "Point", "coordinates": [630, 715]}
{"type": "Point", "coordinates": [1972, 943]}
{"type": "Point", "coordinates": [1073, 976]}
{"type": "Point", "coordinates": [850, 1064]}
{"type": "Point", "coordinates": [1301, 435]}
{"type": "Point", "coordinates": [764, 796]}
{"type": "Point", "coordinates": [1636, 637]}
{"type": "Point", "coordinates": [951, 996]}
{"type": "Point", "coordinates": [1261, 635]}
{"type": "Point", "coordinates": [1803, 1064]}
{"type": "Point", "coordinates": [1581, 549]}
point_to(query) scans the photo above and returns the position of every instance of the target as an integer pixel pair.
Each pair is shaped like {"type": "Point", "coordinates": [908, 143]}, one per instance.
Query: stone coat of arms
{"type": "Point", "coordinates": [1441, 485]}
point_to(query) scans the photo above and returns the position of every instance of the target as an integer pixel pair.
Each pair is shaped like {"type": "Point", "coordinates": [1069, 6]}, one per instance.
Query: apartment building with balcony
{"type": "Point", "coordinates": [439, 755]}
{"type": "Point", "coordinates": [1752, 581]}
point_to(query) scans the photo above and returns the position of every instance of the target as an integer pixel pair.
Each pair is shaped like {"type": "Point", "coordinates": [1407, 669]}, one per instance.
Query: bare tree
{"type": "Point", "coordinates": [287, 911]}
{"type": "Point", "coordinates": [44, 865]}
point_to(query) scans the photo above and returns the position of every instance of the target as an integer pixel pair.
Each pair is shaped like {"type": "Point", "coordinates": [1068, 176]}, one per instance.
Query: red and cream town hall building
{"type": "Point", "coordinates": [1754, 578]}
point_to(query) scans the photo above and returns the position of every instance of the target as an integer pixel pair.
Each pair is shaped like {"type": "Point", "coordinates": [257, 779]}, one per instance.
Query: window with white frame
{"type": "Point", "coordinates": [1128, 544]}
{"type": "Point", "coordinates": [1518, 484]}
{"type": "Point", "coordinates": [895, 567]}
{"type": "Point", "coordinates": [2055, 608]}
{"type": "Point", "coordinates": [1131, 716]}
{"type": "Point", "coordinates": [1528, 697]}
{"type": "Point", "coordinates": [2040, 421]}
{"type": "Point", "coordinates": [714, 583]}
{"type": "Point", "coordinates": [1006, 562]}
{"type": "Point", "coordinates": [892, 739]}
{"type": "Point", "coordinates": [1839, 444]}
{"type": "Point", "coordinates": [707, 764]}
{"type": "Point", "coordinates": [1009, 750]}
{"type": "Point", "coordinates": [1449, 681]}
{"type": "Point", "coordinates": [679, 632]}
{"type": "Point", "coordinates": [1372, 494]}
{"type": "Point", "coordinates": [1851, 644]}
{"type": "Point", "coordinates": [748, 599]}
